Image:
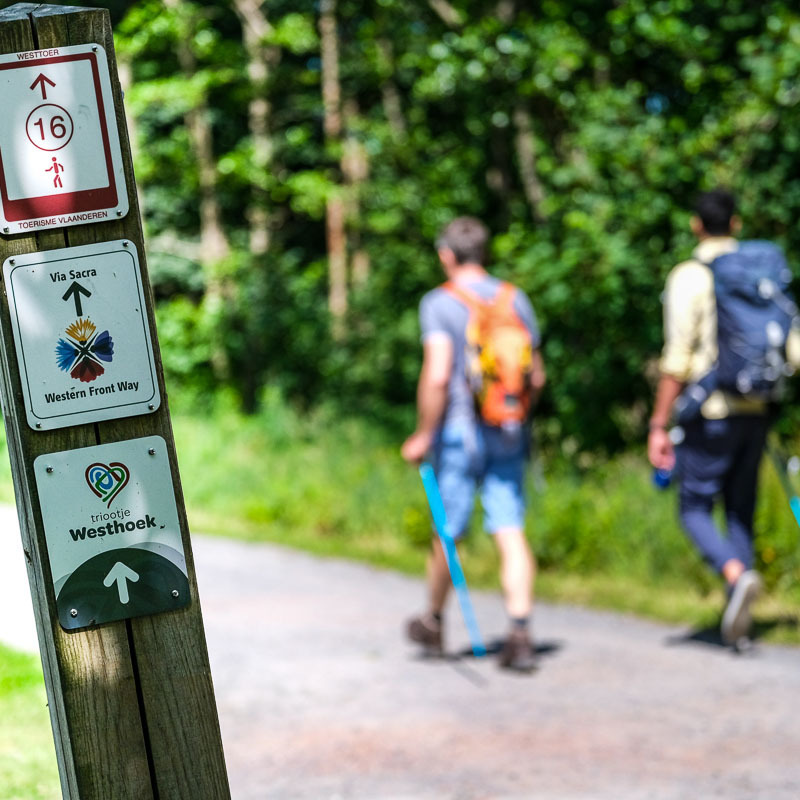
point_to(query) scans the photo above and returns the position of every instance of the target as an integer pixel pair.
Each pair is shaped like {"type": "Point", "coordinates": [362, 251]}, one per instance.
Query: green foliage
{"type": "Point", "coordinates": [587, 528]}
{"type": "Point", "coordinates": [776, 543]}
{"type": "Point", "coordinates": [298, 481]}
{"type": "Point", "coordinates": [633, 108]}
{"type": "Point", "coordinates": [6, 481]}
{"type": "Point", "coordinates": [185, 340]}
{"type": "Point", "coordinates": [27, 758]}
{"type": "Point", "coordinates": [295, 32]}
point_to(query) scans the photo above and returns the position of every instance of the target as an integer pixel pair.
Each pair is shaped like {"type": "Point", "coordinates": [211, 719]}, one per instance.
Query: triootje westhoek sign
{"type": "Point", "coordinates": [112, 531]}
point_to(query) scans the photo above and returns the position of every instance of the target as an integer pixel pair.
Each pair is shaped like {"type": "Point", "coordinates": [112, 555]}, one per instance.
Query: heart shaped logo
{"type": "Point", "coordinates": [107, 480]}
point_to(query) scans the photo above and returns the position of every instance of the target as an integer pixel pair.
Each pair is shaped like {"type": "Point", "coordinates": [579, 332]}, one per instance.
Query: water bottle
{"type": "Point", "coordinates": [662, 478]}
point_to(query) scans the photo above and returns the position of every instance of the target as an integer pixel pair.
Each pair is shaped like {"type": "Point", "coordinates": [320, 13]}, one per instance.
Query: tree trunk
{"type": "Point", "coordinates": [214, 246]}
{"type": "Point", "coordinates": [355, 169]}
{"type": "Point", "coordinates": [260, 60]}
{"type": "Point", "coordinates": [525, 146]}
{"type": "Point", "coordinates": [392, 107]}
{"type": "Point", "coordinates": [337, 262]}
{"type": "Point", "coordinates": [505, 11]}
{"type": "Point", "coordinates": [446, 12]}
{"type": "Point", "coordinates": [126, 81]}
{"type": "Point", "coordinates": [213, 241]}
{"type": "Point", "coordinates": [332, 123]}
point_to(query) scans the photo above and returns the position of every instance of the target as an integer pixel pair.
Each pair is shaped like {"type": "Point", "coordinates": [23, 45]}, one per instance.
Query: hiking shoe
{"type": "Point", "coordinates": [736, 619]}
{"type": "Point", "coordinates": [427, 631]}
{"type": "Point", "coordinates": [517, 652]}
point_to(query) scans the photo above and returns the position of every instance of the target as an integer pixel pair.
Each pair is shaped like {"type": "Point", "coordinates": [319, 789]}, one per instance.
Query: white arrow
{"type": "Point", "coordinates": [121, 573]}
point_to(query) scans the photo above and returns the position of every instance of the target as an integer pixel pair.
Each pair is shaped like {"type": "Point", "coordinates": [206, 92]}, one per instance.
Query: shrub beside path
{"type": "Point", "coordinates": [320, 697]}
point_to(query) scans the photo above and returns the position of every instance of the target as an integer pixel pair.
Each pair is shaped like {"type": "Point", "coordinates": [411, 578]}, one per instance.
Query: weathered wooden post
{"type": "Point", "coordinates": [98, 495]}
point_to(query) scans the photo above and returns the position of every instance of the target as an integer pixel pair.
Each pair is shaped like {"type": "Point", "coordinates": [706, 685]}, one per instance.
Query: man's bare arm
{"type": "Point", "coordinates": [434, 377]}
{"type": "Point", "coordinates": [538, 377]}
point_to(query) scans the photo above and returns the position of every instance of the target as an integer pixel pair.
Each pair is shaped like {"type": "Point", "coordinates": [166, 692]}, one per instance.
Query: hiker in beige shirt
{"type": "Point", "coordinates": [721, 448]}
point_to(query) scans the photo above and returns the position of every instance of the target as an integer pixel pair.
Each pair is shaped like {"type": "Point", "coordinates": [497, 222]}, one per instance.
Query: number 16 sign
{"type": "Point", "coordinates": [60, 158]}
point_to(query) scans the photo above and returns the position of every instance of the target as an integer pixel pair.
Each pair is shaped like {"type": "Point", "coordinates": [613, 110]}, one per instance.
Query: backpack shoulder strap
{"type": "Point", "coordinates": [504, 297]}
{"type": "Point", "coordinates": [470, 299]}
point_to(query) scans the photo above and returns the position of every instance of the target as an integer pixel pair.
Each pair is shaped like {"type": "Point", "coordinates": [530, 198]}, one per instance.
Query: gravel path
{"type": "Point", "coordinates": [320, 697]}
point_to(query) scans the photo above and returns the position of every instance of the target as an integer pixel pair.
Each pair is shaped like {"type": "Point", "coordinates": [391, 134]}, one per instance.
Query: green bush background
{"type": "Point", "coordinates": [631, 109]}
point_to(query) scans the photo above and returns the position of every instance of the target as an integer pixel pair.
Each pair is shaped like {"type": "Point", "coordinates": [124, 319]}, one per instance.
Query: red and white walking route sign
{"type": "Point", "coordinates": [60, 158]}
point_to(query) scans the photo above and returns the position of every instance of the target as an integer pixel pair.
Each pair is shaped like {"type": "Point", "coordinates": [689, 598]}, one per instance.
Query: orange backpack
{"type": "Point", "coordinates": [499, 355]}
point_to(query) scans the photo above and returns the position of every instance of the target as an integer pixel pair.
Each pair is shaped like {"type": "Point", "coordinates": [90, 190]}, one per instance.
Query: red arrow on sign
{"type": "Point", "coordinates": [41, 80]}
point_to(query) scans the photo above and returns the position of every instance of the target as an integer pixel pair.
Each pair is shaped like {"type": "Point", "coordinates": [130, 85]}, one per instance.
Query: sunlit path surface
{"type": "Point", "coordinates": [320, 697]}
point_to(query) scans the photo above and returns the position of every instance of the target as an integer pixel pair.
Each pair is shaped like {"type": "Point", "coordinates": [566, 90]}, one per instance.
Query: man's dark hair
{"type": "Point", "coordinates": [715, 209]}
{"type": "Point", "coordinates": [467, 237]}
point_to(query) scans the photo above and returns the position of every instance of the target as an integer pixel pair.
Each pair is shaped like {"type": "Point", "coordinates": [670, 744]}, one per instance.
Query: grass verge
{"type": "Point", "coordinates": [604, 537]}
{"type": "Point", "coordinates": [27, 755]}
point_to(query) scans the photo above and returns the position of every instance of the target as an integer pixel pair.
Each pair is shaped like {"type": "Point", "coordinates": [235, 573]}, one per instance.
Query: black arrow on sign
{"type": "Point", "coordinates": [77, 290]}
{"type": "Point", "coordinates": [41, 79]}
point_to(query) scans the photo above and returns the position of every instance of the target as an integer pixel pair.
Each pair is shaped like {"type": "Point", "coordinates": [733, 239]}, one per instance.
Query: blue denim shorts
{"type": "Point", "coordinates": [469, 458]}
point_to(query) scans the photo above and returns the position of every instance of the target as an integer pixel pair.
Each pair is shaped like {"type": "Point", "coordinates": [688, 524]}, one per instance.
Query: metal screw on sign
{"type": "Point", "coordinates": [5, 230]}
{"type": "Point", "coordinates": [38, 424]}
{"type": "Point", "coordinates": [151, 407]}
{"type": "Point", "coordinates": [125, 244]}
{"type": "Point", "coordinates": [48, 470]}
{"type": "Point", "coordinates": [119, 213]}
{"type": "Point", "coordinates": [12, 261]}
{"type": "Point", "coordinates": [152, 451]}
{"type": "Point", "coordinates": [73, 612]}
{"type": "Point", "coordinates": [175, 593]}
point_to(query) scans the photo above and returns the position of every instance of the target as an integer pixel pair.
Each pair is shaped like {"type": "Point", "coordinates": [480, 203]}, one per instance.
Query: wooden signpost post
{"type": "Point", "coordinates": [92, 454]}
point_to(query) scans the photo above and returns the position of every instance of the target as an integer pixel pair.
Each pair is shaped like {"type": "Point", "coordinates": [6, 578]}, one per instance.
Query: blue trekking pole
{"type": "Point", "coordinates": [451, 555]}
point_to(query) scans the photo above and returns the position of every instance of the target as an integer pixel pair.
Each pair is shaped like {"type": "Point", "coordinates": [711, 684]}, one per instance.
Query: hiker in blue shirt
{"type": "Point", "coordinates": [472, 422]}
{"type": "Point", "coordinates": [729, 343]}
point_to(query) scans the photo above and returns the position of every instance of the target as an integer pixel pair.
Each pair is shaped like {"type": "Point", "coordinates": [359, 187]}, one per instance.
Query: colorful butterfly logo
{"type": "Point", "coordinates": [82, 352]}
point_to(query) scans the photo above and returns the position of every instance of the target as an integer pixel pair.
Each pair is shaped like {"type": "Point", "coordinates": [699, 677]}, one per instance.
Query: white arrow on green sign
{"type": "Point", "coordinates": [121, 574]}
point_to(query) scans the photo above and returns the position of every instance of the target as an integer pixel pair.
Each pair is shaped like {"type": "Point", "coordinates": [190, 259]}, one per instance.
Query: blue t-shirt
{"type": "Point", "coordinates": [440, 312]}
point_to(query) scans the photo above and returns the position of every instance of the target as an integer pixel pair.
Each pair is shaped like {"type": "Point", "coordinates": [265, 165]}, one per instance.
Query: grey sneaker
{"type": "Point", "coordinates": [517, 653]}
{"type": "Point", "coordinates": [736, 619]}
{"type": "Point", "coordinates": [427, 631]}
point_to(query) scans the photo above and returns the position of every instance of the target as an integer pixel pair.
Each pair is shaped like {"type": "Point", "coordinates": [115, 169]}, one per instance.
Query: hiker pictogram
{"type": "Point", "coordinates": [56, 169]}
